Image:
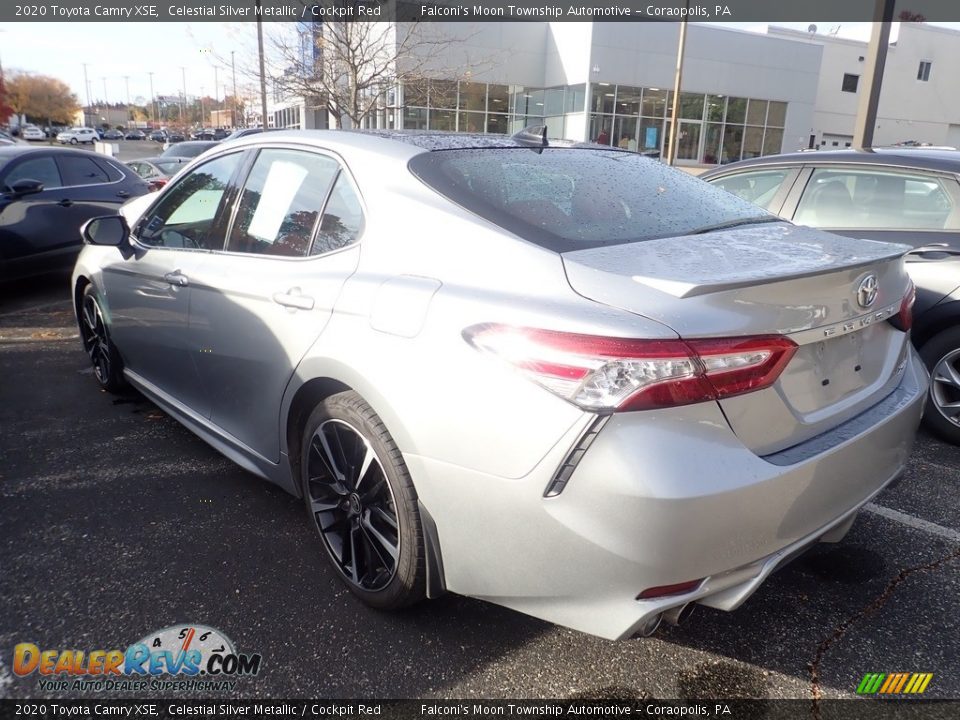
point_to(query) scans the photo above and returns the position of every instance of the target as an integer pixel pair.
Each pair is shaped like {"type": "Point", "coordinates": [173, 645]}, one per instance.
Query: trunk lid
{"type": "Point", "coordinates": [769, 279]}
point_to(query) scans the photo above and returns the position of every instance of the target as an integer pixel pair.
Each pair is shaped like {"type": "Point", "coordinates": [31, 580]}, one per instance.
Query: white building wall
{"type": "Point", "coordinates": [909, 109]}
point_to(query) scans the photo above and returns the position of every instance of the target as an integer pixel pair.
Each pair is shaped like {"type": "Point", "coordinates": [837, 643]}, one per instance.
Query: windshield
{"type": "Point", "coordinates": [575, 198]}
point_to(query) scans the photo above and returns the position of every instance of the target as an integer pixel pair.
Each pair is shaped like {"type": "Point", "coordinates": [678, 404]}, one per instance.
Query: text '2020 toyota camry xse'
{"type": "Point", "coordinates": [565, 379]}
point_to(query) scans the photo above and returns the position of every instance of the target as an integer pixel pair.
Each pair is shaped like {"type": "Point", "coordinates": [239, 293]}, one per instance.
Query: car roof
{"type": "Point", "coordinates": [400, 143]}
{"type": "Point", "coordinates": [908, 157]}
{"type": "Point", "coordinates": [9, 153]}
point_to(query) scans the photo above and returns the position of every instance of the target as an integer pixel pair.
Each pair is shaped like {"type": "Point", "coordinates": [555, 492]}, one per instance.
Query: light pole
{"type": "Point", "coordinates": [216, 92]}
{"type": "Point", "coordinates": [263, 74]}
{"type": "Point", "coordinates": [203, 112]}
{"type": "Point", "coordinates": [233, 114]}
{"type": "Point", "coordinates": [183, 71]}
{"type": "Point", "coordinates": [675, 108]}
{"type": "Point", "coordinates": [153, 102]}
{"type": "Point", "coordinates": [127, 78]}
{"type": "Point", "coordinates": [86, 84]}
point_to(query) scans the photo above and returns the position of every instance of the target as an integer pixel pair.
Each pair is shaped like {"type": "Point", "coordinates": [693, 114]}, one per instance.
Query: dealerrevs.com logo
{"type": "Point", "coordinates": [179, 657]}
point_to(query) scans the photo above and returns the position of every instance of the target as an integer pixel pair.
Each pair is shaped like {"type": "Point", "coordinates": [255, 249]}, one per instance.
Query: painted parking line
{"type": "Point", "coordinates": [914, 522]}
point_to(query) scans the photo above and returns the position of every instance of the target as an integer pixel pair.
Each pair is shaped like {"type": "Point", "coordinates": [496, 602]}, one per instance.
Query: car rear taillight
{"type": "Point", "coordinates": [606, 374]}
{"type": "Point", "coordinates": [903, 320]}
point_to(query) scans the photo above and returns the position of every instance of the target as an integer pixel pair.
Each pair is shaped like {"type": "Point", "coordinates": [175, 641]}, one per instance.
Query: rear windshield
{"type": "Point", "coordinates": [576, 198]}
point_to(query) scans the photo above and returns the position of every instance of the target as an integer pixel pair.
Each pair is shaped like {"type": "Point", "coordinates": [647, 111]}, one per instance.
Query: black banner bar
{"type": "Point", "coordinates": [861, 709]}
{"type": "Point", "coordinates": [468, 11]}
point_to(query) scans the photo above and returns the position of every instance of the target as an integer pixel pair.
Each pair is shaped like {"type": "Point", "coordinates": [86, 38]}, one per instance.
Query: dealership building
{"type": "Point", "coordinates": [743, 94]}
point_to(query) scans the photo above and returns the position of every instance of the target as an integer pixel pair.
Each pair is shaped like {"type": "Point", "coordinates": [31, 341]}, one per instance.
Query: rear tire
{"type": "Point", "coordinates": [107, 365]}
{"type": "Point", "coordinates": [941, 355]}
{"type": "Point", "coordinates": [360, 498]}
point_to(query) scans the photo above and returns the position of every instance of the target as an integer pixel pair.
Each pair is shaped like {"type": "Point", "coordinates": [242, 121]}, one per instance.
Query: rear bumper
{"type": "Point", "coordinates": [661, 498]}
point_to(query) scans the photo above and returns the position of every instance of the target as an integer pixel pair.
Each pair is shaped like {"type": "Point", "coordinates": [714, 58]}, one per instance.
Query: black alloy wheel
{"type": "Point", "coordinates": [107, 367]}
{"type": "Point", "coordinates": [360, 499]}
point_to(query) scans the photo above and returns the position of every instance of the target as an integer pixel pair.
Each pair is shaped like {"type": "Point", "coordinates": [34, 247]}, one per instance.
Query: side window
{"type": "Point", "coordinates": [43, 169]}
{"type": "Point", "coordinates": [757, 187]}
{"type": "Point", "coordinates": [281, 203]}
{"type": "Point", "coordinates": [879, 200]}
{"type": "Point", "coordinates": [342, 219]}
{"type": "Point", "coordinates": [111, 169]}
{"type": "Point", "coordinates": [81, 171]}
{"type": "Point", "coordinates": [184, 217]}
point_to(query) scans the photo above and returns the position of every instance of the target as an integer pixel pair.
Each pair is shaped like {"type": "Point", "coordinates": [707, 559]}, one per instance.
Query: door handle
{"type": "Point", "coordinates": [123, 194]}
{"type": "Point", "coordinates": [293, 298]}
{"type": "Point", "coordinates": [66, 202]}
{"type": "Point", "coordinates": [177, 278]}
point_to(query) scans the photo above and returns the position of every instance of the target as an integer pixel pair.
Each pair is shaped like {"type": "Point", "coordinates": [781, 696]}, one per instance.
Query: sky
{"type": "Point", "coordinates": [118, 55]}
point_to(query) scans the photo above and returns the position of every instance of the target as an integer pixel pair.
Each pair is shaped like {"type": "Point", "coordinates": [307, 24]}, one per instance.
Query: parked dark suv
{"type": "Point", "coordinates": [904, 195]}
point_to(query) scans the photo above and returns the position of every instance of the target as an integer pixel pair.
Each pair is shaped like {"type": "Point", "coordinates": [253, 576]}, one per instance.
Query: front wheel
{"type": "Point", "coordinates": [73, 141]}
{"type": "Point", "coordinates": [941, 355]}
{"type": "Point", "coordinates": [360, 498]}
{"type": "Point", "coordinates": [107, 366]}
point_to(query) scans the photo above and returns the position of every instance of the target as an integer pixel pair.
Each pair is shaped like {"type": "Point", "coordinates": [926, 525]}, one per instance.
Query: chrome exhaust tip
{"type": "Point", "coordinates": [679, 614]}
{"type": "Point", "coordinates": [650, 626]}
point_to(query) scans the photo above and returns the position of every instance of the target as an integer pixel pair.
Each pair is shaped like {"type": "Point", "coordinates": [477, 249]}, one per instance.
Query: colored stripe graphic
{"type": "Point", "coordinates": [894, 683]}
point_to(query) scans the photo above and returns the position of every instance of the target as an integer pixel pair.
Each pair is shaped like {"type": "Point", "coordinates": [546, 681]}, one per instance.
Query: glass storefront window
{"type": "Point", "coordinates": [736, 110]}
{"type": "Point", "coordinates": [415, 118]}
{"type": "Point", "coordinates": [443, 119]}
{"type": "Point", "coordinates": [716, 104]}
{"type": "Point", "coordinates": [654, 103]}
{"type": "Point", "coordinates": [553, 101]}
{"type": "Point", "coordinates": [732, 142]}
{"type": "Point", "coordinates": [603, 97]}
{"type": "Point", "coordinates": [711, 144]}
{"type": "Point", "coordinates": [752, 142]}
{"type": "Point", "coordinates": [473, 96]}
{"type": "Point", "coordinates": [574, 99]}
{"type": "Point", "coordinates": [554, 126]}
{"type": "Point", "coordinates": [496, 123]}
{"type": "Point", "coordinates": [472, 122]}
{"type": "Point", "coordinates": [691, 106]}
{"type": "Point", "coordinates": [772, 141]}
{"type": "Point", "coordinates": [415, 93]}
{"type": "Point", "coordinates": [757, 112]}
{"type": "Point", "coordinates": [625, 133]}
{"type": "Point", "coordinates": [628, 100]}
{"type": "Point", "coordinates": [498, 98]}
{"type": "Point", "coordinates": [777, 115]}
{"type": "Point", "coordinates": [601, 129]}
{"type": "Point", "coordinates": [651, 134]}
{"type": "Point", "coordinates": [443, 93]}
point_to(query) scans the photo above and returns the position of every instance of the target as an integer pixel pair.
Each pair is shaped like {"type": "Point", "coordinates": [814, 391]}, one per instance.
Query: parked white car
{"type": "Point", "coordinates": [32, 132]}
{"type": "Point", "coordinates": [78, 135]}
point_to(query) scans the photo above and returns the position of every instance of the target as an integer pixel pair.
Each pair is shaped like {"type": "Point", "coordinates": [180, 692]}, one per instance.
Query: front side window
{"type": "Point", "coordinates": [184, 217]}
{"type": "Point", "coordinates": [758, 187]}
{"type": "Point", "coordinates": [879, 200]}
{"type": "Point", "coordinates": [281, 203]}
{"type": "Point", "coordinates": [42, 169]}
{"type": "Point", "coordinates": [575, 198]}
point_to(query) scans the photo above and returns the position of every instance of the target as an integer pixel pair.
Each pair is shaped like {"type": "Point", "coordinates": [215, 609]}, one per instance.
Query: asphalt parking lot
{"type": "Point", "coordinates": [117, 521]}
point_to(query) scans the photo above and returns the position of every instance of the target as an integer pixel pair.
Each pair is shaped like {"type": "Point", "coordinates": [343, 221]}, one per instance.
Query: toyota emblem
{"type": "Point", "coordinates": [867, 291]}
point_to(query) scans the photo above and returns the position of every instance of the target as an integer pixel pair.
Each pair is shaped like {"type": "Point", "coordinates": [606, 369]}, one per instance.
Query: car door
{"type": "Point", "coordinates": [892, 204]}
{"type": "Point", "coordinates": [259, 305]}
{"type": "Point", "coordinates": [32, 227]}
{"type": "Point", "coordinates": [148, 294]}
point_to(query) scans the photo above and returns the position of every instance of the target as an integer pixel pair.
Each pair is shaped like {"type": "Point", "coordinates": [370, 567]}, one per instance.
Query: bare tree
{"type": "Point", "coordinates": [351, 67]}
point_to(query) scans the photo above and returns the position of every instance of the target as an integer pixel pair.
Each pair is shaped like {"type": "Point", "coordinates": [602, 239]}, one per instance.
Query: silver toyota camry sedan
{"type": "Point", "coordinates": [558, 377]}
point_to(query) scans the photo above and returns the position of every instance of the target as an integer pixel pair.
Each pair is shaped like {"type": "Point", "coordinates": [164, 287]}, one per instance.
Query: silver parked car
{"type": "Point", "coordinates": [558, 377]}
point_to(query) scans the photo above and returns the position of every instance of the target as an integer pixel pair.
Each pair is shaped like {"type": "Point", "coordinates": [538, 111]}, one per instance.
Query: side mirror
{"type": "Point", "coordinates": [109, 230]}
{"type": "Point", "coordinates": [26, 187]}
